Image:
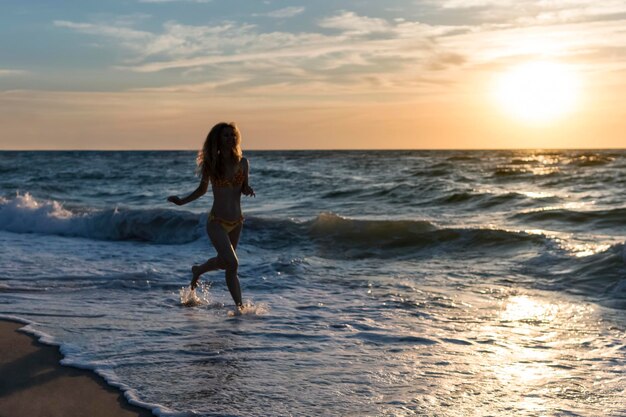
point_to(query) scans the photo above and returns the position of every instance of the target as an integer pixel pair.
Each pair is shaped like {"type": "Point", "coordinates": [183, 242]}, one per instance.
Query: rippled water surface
{"type": "Point", "coordinates": [436, 283]}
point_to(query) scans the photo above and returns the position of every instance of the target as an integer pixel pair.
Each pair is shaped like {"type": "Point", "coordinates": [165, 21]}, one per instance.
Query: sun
{"type": "Point", "coordinates": [538, 91]}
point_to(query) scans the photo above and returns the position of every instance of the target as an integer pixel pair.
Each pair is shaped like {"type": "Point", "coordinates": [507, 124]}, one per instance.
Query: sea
{"type": "Point", "coordinates": [376, 283]}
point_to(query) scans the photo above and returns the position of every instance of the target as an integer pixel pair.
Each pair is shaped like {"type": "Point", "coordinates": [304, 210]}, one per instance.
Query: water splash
{"type": "Point", "coordinates": [250, 309]}
{"type": "Point", "coordinates": [191, 298]}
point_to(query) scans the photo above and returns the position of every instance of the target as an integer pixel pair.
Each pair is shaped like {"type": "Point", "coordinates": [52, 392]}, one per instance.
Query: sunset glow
{"type": "Point", "coordinates": [538, 92]}
{"type": "Point", "coordinates": [155, 74]}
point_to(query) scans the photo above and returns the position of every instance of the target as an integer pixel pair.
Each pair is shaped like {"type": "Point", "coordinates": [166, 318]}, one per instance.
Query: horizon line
{"type": "Point", "coordinates": [318, 150]}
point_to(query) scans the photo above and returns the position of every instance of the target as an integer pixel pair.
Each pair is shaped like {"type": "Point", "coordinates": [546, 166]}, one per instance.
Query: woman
{"type": "Point", "coordinates": [220, 162]}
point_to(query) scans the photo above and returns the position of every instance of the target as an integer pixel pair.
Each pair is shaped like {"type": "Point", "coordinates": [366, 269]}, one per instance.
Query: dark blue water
{"type": "Point", "coordinates": [444, 283]}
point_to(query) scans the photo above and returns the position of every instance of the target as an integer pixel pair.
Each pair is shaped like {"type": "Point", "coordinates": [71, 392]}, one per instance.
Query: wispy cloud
{"type": "Point", "coordinates": [8, 72]}
{"type": "Point", "coordinates": [284, 13]}
{"type": "Point", "coordinates": [119, 32]}
{"type": "Point", "coordinates": [353, 24]}
{"type": "Point", "coordinates": [187, 46]}
{"type": "Point", "coordinates": [202, 87]}
{"type": "Point", "coordinates": [358, 54]}
{"type": "Point", "coordinates": [558, 41]}
{"type": "Point", "coordinates": [532, 12]}
{"type": "Point", "coordinates": [349, 48]}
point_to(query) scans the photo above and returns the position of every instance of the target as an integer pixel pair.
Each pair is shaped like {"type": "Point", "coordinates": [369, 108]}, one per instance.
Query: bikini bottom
{"type": "Point", "coordinates": [227, 225]}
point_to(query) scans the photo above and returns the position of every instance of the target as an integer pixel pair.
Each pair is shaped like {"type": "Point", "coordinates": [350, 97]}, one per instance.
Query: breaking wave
{"type": "Point", "coordinates": [25, 214]}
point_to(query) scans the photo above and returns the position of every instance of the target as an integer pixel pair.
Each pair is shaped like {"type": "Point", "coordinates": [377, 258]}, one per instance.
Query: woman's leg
{"type": "Point", "coordinates": [197, 270]}
{"type": "Point", "coordinates": [226, 254]}
{"type": "Point", "coordinates": [214, 263]}
{"type": "Point", "coordinates": [234, 235]}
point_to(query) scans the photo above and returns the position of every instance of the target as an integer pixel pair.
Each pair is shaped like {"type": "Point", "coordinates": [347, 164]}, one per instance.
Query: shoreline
{"type": "Point", "coordinates": [33, 382]}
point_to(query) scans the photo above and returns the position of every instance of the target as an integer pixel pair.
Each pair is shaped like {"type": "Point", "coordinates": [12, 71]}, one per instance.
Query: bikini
{"type": "Point", "coordinates": [237, 180]}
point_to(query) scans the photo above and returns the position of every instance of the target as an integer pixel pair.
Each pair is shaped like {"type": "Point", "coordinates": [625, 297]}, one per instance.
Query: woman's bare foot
{"type": "Point", "coordinates": [195, 272]}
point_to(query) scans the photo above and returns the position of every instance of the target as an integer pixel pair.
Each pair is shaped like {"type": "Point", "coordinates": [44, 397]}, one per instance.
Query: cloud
{"type": "Point", "coordinates": [284, 13]}
{"type": "Point", "coordinates": [362, 49]}
{"type": "Point", "coordinates": [353, 24]}
{"type": "Point", "coordinates": [9, 72]}
{"type": "Point", "coordinates": [119, 32]}
{"type": "Point", "coordinates": [563, 41]}
{"type": "Point", "coordinates": [351, 49]}
{"type": "Point", "coordinates": [530, 12]}
{"type": "Point", "coordinates": [203, 87]}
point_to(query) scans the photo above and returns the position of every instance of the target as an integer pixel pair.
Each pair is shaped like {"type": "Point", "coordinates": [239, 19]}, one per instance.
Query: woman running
{"type": "Point", "coordinates": [220, 162]}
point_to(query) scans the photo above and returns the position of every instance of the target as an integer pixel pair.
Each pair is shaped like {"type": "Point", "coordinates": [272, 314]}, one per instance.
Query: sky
{"type": "Point", "coordinates": [393, 74]}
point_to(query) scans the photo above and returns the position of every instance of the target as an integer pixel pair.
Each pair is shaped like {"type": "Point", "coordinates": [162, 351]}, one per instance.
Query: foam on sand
{"type": "Point", "coordinates": [33, 380]}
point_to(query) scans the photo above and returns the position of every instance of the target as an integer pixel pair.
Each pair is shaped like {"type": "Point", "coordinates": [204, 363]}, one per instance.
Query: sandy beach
{"type": "Point", "coordinates": [33, 383]}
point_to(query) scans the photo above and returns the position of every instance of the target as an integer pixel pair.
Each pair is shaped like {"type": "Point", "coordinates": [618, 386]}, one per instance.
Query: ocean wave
{"type": "Point", "coordinates": [331, 235]}
{"type": "Point", "coordinates": [601, 276]}
{"type": "Point", "coordinates": [433, 172]}
{"type": "Point", "coordinates": [341, 193]}
{"type": "Point", "coordinates": [600, 218]}
{"type": "Point", "coordinates": [462, 158]}
{"type": "Point", "coordinates": [25, 214]}
{"type": "Point", "coordinates": [7, 169]}
{"type": "Point", "coordinates": [525, 161]}
{"type": "Point", "coordinates": [332, 225]}
{"type": "Point", "coordinates": [337, 237]}
{"type": "Point", "coordinates": [523, 171]}
{"type": "Point", "coordinates": [487, 199]}
{"type": "Point", "coordinates": [341, 237]}
{"type": "Point", "coordinates": [400, 192]}
{"type": "Point", "coordinates": [591, 159]}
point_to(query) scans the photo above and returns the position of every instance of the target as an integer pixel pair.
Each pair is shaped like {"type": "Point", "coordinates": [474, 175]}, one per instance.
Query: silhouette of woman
{"type": "Point", "coordinates": [220, 162]}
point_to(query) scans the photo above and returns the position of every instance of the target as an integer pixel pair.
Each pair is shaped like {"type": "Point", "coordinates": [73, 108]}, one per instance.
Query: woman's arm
{"type": "Point", "coordinates": [197, 193]}
{"type": "Point", "coordinates": [245, 187]}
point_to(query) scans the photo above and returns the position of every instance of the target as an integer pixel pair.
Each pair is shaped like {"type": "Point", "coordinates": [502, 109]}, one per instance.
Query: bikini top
{"type": "Point", "coordinates": [237, 180]}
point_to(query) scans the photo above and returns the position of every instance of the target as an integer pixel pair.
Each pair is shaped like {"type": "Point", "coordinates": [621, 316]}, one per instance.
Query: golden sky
{"type": "Point", "coordinates": [157, 74]}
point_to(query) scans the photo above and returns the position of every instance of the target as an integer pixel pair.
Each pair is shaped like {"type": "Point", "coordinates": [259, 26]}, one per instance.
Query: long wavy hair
{"type": "Point", "coordinates": [210, 161]}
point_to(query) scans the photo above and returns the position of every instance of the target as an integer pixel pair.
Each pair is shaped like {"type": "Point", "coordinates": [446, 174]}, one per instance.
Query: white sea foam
{"type": "Point", "coordinates": [105, 370]}
{"type": "Point", "coordinates": [201, 296]}
{"type": "Point", "coordinates": [14, 318]}
{"type": "Point", "coordinates": [26, 214]}
{"type": "Point", "coordinates": [250, 309]}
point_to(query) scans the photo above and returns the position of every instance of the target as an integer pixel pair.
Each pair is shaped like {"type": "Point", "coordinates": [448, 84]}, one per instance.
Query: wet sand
{"type": "Point", "coordinates": [34, 384]}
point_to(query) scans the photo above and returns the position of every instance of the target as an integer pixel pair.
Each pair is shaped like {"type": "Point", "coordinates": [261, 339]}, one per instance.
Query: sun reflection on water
{"type": "Point", "coordinates": [582, 250]}
{"type": "Point", "coordinates": [524, 308]}
{"type": "Point", "coordinates": [520, 354]}
{"type": "Point", "coordinates": [531, 361]}
{"type": "Point", "coordinates": [537, 194]}
{"type": "Point", "coordinates": [528, 355]}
